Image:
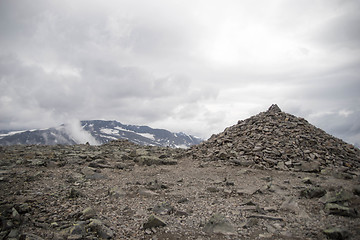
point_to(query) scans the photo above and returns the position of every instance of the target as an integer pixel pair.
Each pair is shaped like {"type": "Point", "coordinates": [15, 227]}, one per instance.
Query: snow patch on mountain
{"type": "Point", "coordinates": [123, 129]}
{"type": "Point", "coordinates": [109, 131]}
{"type": "Point", "coordinates": [147, 135]}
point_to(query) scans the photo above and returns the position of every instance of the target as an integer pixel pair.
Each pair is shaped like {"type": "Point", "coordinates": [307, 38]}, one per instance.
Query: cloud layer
{"type": "Point", "coordinates": [194, 66]}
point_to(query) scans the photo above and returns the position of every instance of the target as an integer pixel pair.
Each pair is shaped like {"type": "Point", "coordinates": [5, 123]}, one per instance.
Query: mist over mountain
{"type": "Point", "coordinates": [97, 132]}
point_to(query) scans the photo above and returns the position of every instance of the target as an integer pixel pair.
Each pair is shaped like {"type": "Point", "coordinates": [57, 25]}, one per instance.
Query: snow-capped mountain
{"type": "Point", "coordinates": [49, 136]}
{"type": "Point", "coordinates": [104, 131]}
{"type": "Point", "coordinates": [98, 132]}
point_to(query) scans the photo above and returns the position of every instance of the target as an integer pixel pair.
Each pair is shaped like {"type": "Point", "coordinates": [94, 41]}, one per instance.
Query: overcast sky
{"type": "Point", "coordinates": [193, 66]}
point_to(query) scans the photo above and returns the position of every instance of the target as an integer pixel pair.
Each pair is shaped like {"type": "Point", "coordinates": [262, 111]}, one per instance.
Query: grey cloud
{"type": "Point", "coordinates": [343, 124]}
{"type": "Point", "coordinates": [341, 30]}
{"type": "Point", "coordinates": [105, 90]}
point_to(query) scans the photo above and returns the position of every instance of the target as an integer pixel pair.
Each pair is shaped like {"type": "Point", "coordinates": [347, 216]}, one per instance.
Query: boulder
{"type": "Point", "coordinates": [100, 229]}
{"type": "Point", "coordinates": [337, 197]}
{"type": "Point", "coordinates": [337, 209]}
{"type": "Point", "coordinates": [219, 224]}
{"type": "Point", "coordinates": [313, 192]}
{"type": "Point", "coordinates": [154, 222]}
{"type": "Point", "coordinates": [78, 229]}
{"type": "Point", "coordinates": [336, 233]}
{"type": "Point", "coordinates": [88, 213]}
{"type": "Point", "coordinates": [356, 190]}
{"type": "Point", "coordinates": [73, 193]}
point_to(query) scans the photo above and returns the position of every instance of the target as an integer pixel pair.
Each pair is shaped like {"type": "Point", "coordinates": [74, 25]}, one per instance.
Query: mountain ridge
{"type": "Point", "coordinates": [97, 132]}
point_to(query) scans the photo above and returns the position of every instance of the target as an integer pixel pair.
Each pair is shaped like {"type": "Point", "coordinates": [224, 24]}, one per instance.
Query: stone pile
{"type": "Point", "coordinates": [275, 139]}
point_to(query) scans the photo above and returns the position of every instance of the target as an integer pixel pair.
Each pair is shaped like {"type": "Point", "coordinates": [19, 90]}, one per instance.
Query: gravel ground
{"type": "Point", "coordinates": [56, 192]}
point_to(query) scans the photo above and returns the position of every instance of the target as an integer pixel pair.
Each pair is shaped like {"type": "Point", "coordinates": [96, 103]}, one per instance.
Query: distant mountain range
{"type": "Point", "coordinates": [98, 132]}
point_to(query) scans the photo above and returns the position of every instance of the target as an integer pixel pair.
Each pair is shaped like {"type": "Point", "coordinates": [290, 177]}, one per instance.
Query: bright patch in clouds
{"type": "Point", "coordinates": [251, 46]}
{"type": "Point", "coordinates": [345, 113]}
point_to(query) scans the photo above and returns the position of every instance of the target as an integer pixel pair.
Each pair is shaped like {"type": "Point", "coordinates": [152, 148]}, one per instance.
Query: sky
{"type": "Point", "coordinates": [194, 66]}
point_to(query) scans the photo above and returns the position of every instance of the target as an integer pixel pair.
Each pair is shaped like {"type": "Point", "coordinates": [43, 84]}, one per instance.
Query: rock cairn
{"type": "Point", "coordinates": [275, 139]}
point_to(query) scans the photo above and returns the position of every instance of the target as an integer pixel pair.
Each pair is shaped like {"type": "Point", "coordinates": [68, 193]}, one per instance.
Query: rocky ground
{"type": "Point", "coordinates": [272, 176]}
{"type": "Point", "coordinates": [125, 191]}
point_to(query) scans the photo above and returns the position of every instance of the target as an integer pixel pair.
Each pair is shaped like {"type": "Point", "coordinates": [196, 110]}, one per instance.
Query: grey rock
{"type": "Point", "coordinates": [274, 108]}
{"type": "Point", "coordinates": [149, 160]}
{"type": "Point", "coordinates": [219, 224]}
{"type": "Point", "coordinates": [258, 148]}
{"type": "Point", "coordinates": [147, 193]}
{"type": "Point", "coordinates": [3, 179]}
{"type": "Point", "coordinates": [168, 161]}
{"type": "Point", "coordinates": [356, 190]}
{"type": "Point", "coordinates": [156, 185]}
{"type": "Point", "coordinates": [77, 229]}
{"type": "Point", "coordinates": [183, 200]}
{"type": "Point", "coordinates": [88, 213]}
{"type": "Point", "coordinates": [223, 155]}
{"type": "Point", "coordinates": [267, 178]}
{"type": "Point", "coordinates": [98, 165]}
{"type": "Point", "coordinates": [116, 192]}
{"type": "Point", "coordinates": [314, 192]}
{"type": "Point", "coordinates": [307, 180]}
{"type": "Point", "coordinates": [38, 163]}
{"type": "Point", "coordinates": [337, 233]}
{"type": "Point", "coordinates": [181, 213]}
{"type": "Point", "coordinates": [15, 215]}
{"type": "Point", "coordinates": [101, 229]}
{"type": "Point", "coordinates": [163, 209]}
{"type": "Point", "coordinates": [24, 208]}
{"type": "Point", "coordinates": [337, 197]}
{"type": "Point", "coordinates": [14, 233]}
{"type": "Point", "coordinates": [73, 193]}
{"type": "Point", "coordinates": [281, 166]}
{"type": "Point", "coordinates": [139, 152]}
{"type": "Point", "coordinates": [154, 222]}
{"type": "Point", "coordinates": [250, 223]}
{"type": "Point", "coordinates": [337, 209]}
{"type": "Point", "coordinates": [290, 204]}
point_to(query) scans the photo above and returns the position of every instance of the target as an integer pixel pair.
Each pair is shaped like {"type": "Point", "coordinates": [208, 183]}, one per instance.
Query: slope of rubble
{"type": "Point", "coordinates": [275, 139]}
{"type": "Point", "coordinates": [125, 191]}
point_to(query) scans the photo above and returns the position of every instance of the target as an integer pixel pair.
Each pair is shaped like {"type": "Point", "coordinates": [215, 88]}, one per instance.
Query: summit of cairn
{"type": "Point", "coordinates": [278, 140]}
{"type": "Point", "coordinates": [274, 108]}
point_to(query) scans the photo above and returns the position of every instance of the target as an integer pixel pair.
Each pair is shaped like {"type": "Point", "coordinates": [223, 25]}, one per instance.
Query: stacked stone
{"type": "Point", "coordinates": [275, 139]}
